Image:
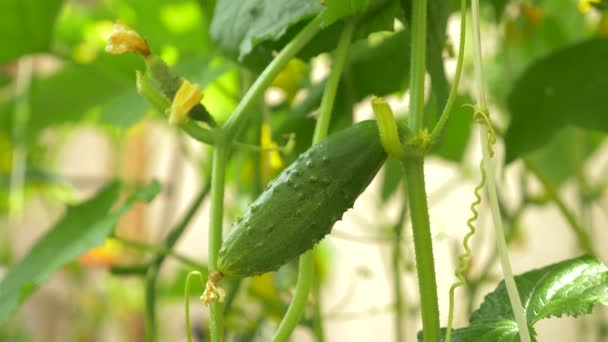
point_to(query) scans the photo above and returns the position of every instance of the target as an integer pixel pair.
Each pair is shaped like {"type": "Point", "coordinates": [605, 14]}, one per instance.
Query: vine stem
{"type": "Point", "coordinates": [423, 246]}
{"type": "Point", "coordinates": [226, 135]}
{"type": "Point", "coordinates": [488, 162]}
{"type": "Point", "coordinates": [267, 76]}
{"type": "Point", "coordinates": [414, 171]}
{"type": "Point", "coordinates": [417, 66]}
{"type": "Point", "coordinates": [218, 173]}
{"type": "Point", "coordinates": [306, 265]}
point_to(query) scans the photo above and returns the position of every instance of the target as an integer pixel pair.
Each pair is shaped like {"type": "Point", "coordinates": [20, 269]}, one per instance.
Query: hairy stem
{"type": "Point", "coordinates": [423, 245]}
{"type": "Point", "coordinates": [218, 173]}
{"type": "Point", "coordinates": [417, 66]}
{"type": "Point", "coordinates": [272, 70]}
{"type": "Point", "coordinates": [306, 266]}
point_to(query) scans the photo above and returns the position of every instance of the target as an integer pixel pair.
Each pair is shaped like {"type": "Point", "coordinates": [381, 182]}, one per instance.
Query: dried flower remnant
{"type": "Point", "coordinates": [124, 39]}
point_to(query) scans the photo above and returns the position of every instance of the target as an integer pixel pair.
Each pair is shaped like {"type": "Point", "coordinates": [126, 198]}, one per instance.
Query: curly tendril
{"type": "Point", "coordinates": [480, 116]}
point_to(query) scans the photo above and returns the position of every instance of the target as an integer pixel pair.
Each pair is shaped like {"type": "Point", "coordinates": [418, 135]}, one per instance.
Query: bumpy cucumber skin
{"type": "Point", "coordinates": [300, 206]}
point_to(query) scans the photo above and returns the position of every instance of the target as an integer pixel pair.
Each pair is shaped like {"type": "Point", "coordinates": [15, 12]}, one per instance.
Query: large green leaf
{"type": "Point", "coordinates": [457, 131]}
{"type": "Point", "coordinates": [239, 26]}
{"type": "Point", "coordinates": [565, 154]}
{"type": "Point", "coordinates": [571, 287]}
{"type": "Point", "coordinates": [338, 9]}
{"type": "Point", "coordinates": [82, 227]}
{"type": "Point", "coordinates": [26, 26]}
{"type": "Point", "coordinates": [567, 87]}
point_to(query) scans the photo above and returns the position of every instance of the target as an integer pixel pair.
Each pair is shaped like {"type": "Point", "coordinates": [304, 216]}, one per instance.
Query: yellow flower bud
{"type": "Point", "coordinates": [124, 39]}
{"type": "Point", "coordinates": [188, 95]}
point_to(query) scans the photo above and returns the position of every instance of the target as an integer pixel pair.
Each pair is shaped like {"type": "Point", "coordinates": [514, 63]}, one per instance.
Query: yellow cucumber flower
{"type": "Point", "coordinates": [188, 95]}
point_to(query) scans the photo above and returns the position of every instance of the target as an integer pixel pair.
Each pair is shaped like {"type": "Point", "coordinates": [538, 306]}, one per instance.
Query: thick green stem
{"type": "Point", "coordinates": [423, 244]}
{"type": "Point", "coordinates": [218, 173]}
{"type": "Point", "coordinates": [265, 79]}
{"type": "Point", "coordinates": [417, 66]}
{"type": "Point", "coordinates": [582, 235]}
{"type": "Point", "coordinates": [306, 267]}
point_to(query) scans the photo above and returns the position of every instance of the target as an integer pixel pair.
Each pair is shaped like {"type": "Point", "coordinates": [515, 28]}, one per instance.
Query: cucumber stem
{"type": "Point", "coordinates": [257, 89]}
{"type": "Point", "coordinates": [417, 66]}
{"type": "Point", "coordinates": [414, 171]}
{"type": "Point", "coordinates": [218, 173]}
{"type": "Point", "coordinates": [423, 245]}
{"type": "Point", "coordinates": [306, 264]}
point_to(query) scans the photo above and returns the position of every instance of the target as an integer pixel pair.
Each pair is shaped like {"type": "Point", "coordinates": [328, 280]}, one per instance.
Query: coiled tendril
{"type": "Point", "coordinates": [480, 116]}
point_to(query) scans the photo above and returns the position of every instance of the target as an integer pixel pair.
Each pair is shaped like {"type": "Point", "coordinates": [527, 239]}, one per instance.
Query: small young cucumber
{"type": "Point", "coordinates": [300, 206]}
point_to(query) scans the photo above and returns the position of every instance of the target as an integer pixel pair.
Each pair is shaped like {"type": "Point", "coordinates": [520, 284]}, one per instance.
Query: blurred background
{"type": "Point", "coordinates": [71, 121]}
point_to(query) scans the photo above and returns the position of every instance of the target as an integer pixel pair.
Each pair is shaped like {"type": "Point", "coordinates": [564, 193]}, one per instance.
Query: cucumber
{"type": "Point", "coordinates": [299, 207]}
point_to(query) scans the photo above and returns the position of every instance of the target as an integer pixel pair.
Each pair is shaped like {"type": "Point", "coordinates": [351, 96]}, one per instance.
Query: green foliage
{"type": "Point", "coordinates": [338, 9]}
{"type": "Point", "coordinates": [565, 154]}
{"type": "Point", "coordinates": [571, 287]}
{"type": "Point", "coordinates": [27, 26]}
{"type": "Point", "coordinates": [565, 88]}
{"type": "Point", "coordinates": [81, 228]}
{"type": "Point", "coordinates": [239, 27]}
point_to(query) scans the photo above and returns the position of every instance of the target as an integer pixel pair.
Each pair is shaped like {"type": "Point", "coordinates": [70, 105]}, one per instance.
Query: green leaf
{"type": "Point", "coordinates": [69, 95]}
{"type": "Point", "coordinates": [567, 87]}
{"type": "Point", "coordinates": [457, 132]}
{"type": "Point", "coordinates": [81, 228]}
{"type": "Point", "coordinates": [499, 8]}
{"type": "Point", "coordinates": [239, 26]}
{"type": "Point", "coordinates": [338, 9]}
{"type": "Point", "coordinates": [564, 155]}
{"type": "Point", "coordinates": [571, 287]}
{"type": "Point", "coordinates": [26, 26]}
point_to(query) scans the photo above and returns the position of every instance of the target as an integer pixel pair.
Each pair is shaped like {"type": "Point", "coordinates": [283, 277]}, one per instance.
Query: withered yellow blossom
{"type": "Point", "coordinates": [124, 39]}
{"type": "Point", "coordinates": [188, 95]}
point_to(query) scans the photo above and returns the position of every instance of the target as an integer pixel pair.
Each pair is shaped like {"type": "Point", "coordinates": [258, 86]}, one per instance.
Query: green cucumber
{"type": "Point", "coordinates": [300, 206]}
